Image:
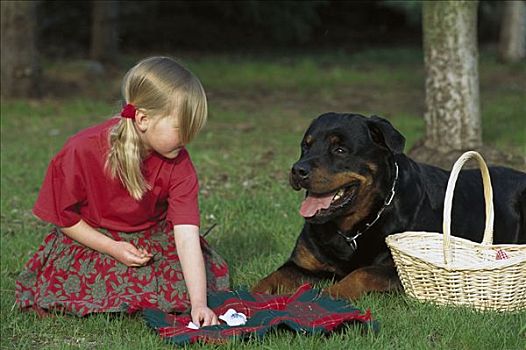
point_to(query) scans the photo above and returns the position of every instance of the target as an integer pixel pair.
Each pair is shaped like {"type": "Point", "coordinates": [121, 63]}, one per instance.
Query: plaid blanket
{"type": "Point", "coordinates": [305, 311]}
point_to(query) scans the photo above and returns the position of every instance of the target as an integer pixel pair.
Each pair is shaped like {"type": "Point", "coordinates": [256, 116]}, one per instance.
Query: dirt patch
{"type": "Point", "coordinates": [492, 156]}
{"type": "Point", "coordinates": [348, 99]}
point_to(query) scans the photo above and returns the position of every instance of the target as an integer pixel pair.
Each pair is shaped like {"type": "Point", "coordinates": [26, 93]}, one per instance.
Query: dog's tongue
{"type": "Point", "coordinates": [311, 205]}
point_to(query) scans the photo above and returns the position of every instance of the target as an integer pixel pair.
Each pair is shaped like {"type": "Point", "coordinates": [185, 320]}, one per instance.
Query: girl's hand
{"type": "Point", "coordinates": [204, 314]}
{"type": "Point", "coordinates": [130, 256]}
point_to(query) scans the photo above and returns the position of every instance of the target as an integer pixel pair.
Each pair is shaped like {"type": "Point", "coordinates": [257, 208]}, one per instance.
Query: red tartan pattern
{"type": "Point", "coordinates": [306, 312]}
{"type": "Point", "coordinates": [67, 276]}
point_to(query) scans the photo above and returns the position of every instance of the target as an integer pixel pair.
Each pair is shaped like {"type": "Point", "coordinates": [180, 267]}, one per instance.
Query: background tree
{"type": "Point", "coordinates": [452, 116]}
{"type": "Point", "coordinates": [512, 43]}
{"type": "Point", "coordinates": [104, 31]}
{"type": "Point", "coordinates": [20, 61]}
{"type": "Point", "coordinates": [452, 81]}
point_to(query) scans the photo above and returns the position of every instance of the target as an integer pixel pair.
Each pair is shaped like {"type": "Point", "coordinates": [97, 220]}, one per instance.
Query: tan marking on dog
{"type": "Point", "coordinates": [334, 139]}
{"type": "Point", "coordinates": [359, 282]}
{"type": "Point", "coordinates": [305, 259]}
{"type": "Point", "coordinates": [373, 168]}
{"type": "Point", "coordinates": [359, 211]}
{"type": "Point", "coordinates": [280, 281]}
{"type": "Point", "coordinates": [309, 140]}
{"type": "Point", "coordinates": [323, 182]}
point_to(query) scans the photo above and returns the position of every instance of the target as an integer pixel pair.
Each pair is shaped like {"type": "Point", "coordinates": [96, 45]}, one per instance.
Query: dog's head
{"type": "Point", "coordinates": [346, 166]}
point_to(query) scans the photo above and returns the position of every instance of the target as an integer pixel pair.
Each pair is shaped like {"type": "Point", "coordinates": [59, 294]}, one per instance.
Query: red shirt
{"type": "Point", "coordinates": [77, 186]}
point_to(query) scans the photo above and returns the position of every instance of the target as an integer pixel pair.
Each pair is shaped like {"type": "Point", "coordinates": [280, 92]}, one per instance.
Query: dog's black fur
{"type": "Point", "coordinates": [359, 153]}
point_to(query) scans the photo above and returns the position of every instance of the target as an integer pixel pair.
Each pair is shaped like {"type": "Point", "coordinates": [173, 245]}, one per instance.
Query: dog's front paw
{"type": "Point", "coordinates": [278, 282]}
{"type": "Point", "coordinates": [341, 292]}
{"type": "Point", "coordinates": [267, 285]}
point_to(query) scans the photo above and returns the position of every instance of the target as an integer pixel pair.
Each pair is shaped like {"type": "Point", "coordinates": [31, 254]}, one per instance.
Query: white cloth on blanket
{"type": "Point", "coordinates": [192, 325]}
{"type": "Point", "coordinates": [234, 318]}
{"type": "Point", "coordinates": [231, 317]}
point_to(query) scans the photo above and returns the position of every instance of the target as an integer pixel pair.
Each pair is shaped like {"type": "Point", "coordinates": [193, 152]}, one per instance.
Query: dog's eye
{"type": "Point", "coordinates": [339, 150]}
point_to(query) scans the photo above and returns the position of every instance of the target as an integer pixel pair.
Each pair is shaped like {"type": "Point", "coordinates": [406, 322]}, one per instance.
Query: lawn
{"type": "Point", "coordinates": [259, 109]}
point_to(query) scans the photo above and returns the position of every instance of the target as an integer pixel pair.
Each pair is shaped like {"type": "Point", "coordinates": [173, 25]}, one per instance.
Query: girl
{"type": "Point", "coordinates": [115, 192]}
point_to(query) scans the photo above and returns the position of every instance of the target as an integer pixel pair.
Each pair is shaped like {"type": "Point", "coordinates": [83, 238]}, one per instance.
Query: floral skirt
{"type": "Point", "coordinates": [67, 276]}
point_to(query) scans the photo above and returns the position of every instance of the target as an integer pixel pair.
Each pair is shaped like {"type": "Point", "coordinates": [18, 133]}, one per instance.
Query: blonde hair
{"type": "Point", "coordinates": [159, 87]}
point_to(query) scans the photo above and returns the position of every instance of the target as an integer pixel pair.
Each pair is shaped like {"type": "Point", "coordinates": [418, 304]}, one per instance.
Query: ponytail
{"type": "Point", "coordinates": [125, 158]}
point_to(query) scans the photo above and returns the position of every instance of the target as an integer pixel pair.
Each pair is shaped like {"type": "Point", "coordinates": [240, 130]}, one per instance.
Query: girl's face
{"type": "Point", "coordinates": [161, 135]}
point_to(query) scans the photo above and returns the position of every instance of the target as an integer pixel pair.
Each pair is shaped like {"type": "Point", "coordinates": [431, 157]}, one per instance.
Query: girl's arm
{"type": "Point", "coordinates": [124, 252]}
{"type": "Point", "coordinates": [192, 263]}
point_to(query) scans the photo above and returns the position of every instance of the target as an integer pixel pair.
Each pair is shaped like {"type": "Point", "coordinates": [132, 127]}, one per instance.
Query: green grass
{"type": "Point", "coordinates": [259, 109]}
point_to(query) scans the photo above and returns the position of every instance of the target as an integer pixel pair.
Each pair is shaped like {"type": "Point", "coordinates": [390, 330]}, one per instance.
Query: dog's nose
{"type": "Point", "coordinates": [301, 171]}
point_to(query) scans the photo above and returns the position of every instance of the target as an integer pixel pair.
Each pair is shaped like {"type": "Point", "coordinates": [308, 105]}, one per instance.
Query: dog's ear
{"type": "Point", "coordinates": [384, 134]}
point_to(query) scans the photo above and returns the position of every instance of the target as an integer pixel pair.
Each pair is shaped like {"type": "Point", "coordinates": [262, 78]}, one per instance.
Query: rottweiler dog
{"type": "Point", "coordinates": [360, 188]}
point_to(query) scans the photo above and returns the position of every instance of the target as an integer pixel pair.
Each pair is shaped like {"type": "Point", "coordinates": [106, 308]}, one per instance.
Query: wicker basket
{"type": "Point", "coordinates": [443, 269]}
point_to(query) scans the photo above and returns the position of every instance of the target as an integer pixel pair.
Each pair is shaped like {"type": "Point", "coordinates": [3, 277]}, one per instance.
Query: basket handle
{"type": "Point", "coordinates": [448, 202]}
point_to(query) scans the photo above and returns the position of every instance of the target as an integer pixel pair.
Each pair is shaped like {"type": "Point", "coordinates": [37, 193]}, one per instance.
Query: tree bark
{"type": "Point", "coordinates": [452, 82]}
{"type": "Point", "coordinates": [452, 116]}
{"type": "Point", "coordinates": [20, 72]}
{"type": "Point", "coordinates": [512, 44]}
{"type": "Point", "coordinates": [104, 31]}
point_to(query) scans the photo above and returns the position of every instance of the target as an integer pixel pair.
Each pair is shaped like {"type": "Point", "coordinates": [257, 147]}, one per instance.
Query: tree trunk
{"type": "Point", "coordinates": [512, 45]}
{"type": "Point", "coordinates": [20, 76]}
{"type": "Point", "coordinates": [104, 36]}
{"type": "Point", "coordinates": [452, 82]}
{"type": "Point", "coordinates": [453, 121]}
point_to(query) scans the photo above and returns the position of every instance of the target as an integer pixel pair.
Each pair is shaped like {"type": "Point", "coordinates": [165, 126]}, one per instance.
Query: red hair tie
{"type": "Point", "coordinates": [128, 111]}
